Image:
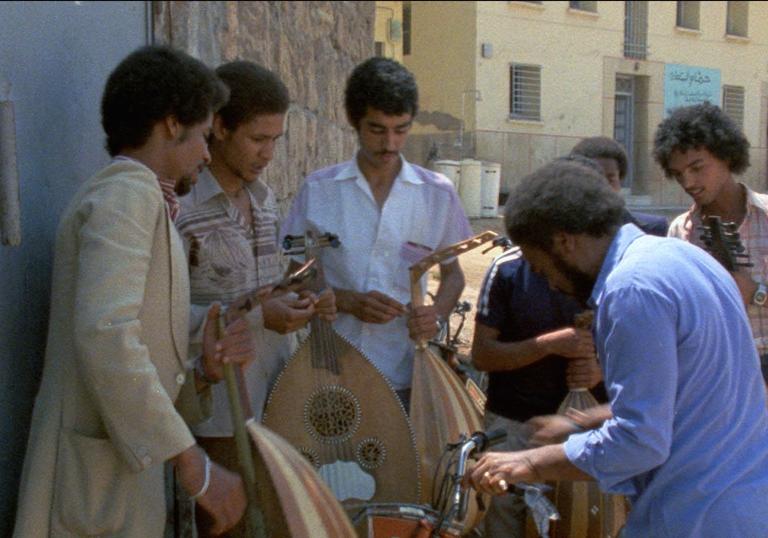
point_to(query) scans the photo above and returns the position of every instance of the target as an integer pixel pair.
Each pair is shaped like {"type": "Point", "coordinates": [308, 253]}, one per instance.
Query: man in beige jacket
{"type": "Point", "coordinates": [116, 386]}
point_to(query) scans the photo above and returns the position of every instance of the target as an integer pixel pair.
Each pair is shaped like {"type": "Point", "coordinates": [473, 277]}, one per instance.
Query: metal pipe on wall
{"type": "Point", "coordinates": [10, 208]}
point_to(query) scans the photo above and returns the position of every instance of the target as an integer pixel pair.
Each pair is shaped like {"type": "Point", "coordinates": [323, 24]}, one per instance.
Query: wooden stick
{"type": "Point", "coordinates": [240, 406]}
{"type": "Point", "coordinates": [241, 412]}
{"type": "Point", "coordinates": [418, 269]}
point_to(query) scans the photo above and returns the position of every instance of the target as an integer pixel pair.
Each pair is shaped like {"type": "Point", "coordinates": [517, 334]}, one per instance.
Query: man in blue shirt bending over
{"type": "Point", "coordinates": [686, 438]}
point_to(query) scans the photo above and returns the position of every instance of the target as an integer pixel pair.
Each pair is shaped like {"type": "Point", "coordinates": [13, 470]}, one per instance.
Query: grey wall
{"type": "Point", "coordinates": [57, 56]}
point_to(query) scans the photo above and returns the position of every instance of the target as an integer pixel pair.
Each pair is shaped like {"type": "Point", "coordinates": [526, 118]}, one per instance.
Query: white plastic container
{"type": "Point", "coordinates": [470, 189]}
{"type": "Point", "coordinates": [451, 170]}
{"type": "Point", "coordinates": [489, 191]}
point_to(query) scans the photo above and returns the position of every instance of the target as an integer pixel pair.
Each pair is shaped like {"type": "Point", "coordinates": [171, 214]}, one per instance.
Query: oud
{"type": "Point", "coordinates": [285, 495]}
{"type": "Point", "coordinates": [341, 413]}
{"type": "Point", "coordinates": [723, 241]}
{"type": "Point", "coordinates": [442, 409]}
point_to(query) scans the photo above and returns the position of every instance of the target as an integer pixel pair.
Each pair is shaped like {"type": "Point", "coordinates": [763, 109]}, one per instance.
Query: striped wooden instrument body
{"type": "Point", "coordinates": [293, 498]}
{"type": "Point", "coordinates": [441, 409]}
{"type": "Point", "coordinates": [584, 510]}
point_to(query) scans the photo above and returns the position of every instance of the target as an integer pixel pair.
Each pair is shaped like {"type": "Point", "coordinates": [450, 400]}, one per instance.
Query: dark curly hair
{"type": "Point", "coordinates": [562, 196]}
{"type": "Point", "coordinates": [151, 84]}
{"type": "Point", "coordinates": [701, 126]}
{"type": "Point", "coordinates": [602, 147]}
{"type": "Point", "coordinates": [382, 84]}
{"type": "Point", "coordinates": [253, 91]}
{"type": "Point", "coordinates": [582, 160]}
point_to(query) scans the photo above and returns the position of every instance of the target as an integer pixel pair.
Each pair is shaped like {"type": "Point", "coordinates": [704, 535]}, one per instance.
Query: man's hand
{"type": "Point", "coordinates": [550, 429]}
{"type": "Point", "coordinates": [225, 498]}
{"type": "Point", "coordinates": [422, 322]}
{"type": "Point", "coordinates": [286, 313]}
{"type": "Point", "coordinates": [325, 305]}
{"type": "Point", "coordinates": [583, 373]}
{"type": "Point", "coordinates": [243, 304]}
{"type": "Point", "coordinates": [235, 346]}
{"type": "Point", "coordinates": [370, 307]}
{"type": "Point", "coordinates": [747, 286]}
{"type": "Point", "coordinates": [569, 342]}
{"type": "Point", "coordinates": [496, 472]}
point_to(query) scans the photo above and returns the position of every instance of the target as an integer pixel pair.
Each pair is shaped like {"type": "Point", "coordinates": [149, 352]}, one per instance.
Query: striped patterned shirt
{"type": "Point", "coordinates": [228, 258]}
{"type": "Point", "coordinates": [754, 236]}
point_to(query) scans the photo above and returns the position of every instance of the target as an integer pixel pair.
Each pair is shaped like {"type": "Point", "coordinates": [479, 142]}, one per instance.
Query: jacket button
{"type": "Point", "coordinates": [180, 379]}
{"type": "Point", "coordinates": [147, 461]}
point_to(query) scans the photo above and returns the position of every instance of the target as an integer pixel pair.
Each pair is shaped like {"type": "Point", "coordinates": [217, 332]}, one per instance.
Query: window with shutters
{"type": "Point", "coordinates": [737, 19]}
{"type": "Point", "coordinates": [688, 15]}
{"type": "Point", "coordinates": [583, 6]}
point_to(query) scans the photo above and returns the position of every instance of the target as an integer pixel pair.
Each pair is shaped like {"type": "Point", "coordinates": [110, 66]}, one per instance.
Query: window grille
{"type": "Point", "coordinates": [636, 29]}
{"type": "Point", "coordinates": [733, 103]}
{"type": "Point", "coordinates": [525, 92]}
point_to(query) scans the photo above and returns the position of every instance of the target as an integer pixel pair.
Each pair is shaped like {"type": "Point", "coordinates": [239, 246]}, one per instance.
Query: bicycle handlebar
{"type": "Point", "coordinates": [478, 442]}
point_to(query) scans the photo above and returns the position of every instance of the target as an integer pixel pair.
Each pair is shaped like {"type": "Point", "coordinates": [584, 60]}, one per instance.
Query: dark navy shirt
{"type": "Point", "coordinates": [520, 305]}
{"type": "Point", "coordinates": [650, 224]}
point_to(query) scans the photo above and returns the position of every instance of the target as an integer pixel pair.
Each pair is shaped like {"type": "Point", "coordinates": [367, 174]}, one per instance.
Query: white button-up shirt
{"type": "Point", "coordinates": [422, 213]}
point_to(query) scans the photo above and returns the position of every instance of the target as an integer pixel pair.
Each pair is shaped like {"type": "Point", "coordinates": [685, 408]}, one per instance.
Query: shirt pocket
{"type": "Point", "coordinates": [409, 254]}
{"type": "Point", "coordinates": [93, 485]}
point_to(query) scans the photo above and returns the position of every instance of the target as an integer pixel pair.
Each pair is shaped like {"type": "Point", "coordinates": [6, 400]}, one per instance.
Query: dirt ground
{"type": "Point", "coordinates": [474, 264]}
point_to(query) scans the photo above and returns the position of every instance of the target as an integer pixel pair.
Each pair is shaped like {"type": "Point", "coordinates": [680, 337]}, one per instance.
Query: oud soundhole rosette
{"type": "Point", "coordinates": [332, 414]}
{"type": "Point", "coordinates": [311, 456]}
{"type": "Point", "coordinates": [370, 453]}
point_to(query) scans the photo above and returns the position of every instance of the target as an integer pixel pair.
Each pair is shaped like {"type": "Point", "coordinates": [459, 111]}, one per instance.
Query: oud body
{"type": "Point", "coordinates": [339, 411]}
{"type": "Point", "coordinates": [441, 408]}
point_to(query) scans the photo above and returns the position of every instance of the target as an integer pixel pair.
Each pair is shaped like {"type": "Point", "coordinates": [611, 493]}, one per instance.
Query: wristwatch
{"type": "Point", "coordinates": [761, 295]}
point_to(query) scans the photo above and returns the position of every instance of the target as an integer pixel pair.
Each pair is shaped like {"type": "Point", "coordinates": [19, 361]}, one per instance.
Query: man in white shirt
{"type": "Point", "coordinates": [388, 214]}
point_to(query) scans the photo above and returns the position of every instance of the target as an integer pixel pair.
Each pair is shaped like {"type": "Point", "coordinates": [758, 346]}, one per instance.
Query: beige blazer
{"type": "Point", "coordinates": [104, 419]}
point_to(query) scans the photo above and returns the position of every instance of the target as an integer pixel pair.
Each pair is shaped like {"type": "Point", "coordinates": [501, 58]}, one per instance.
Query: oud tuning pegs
{"type": "Point", "coordinates": [297, 244]}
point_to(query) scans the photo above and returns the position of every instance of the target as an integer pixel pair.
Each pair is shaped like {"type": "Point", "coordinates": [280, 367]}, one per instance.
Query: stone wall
{"type": "Point", "coordinates": [313, 46]}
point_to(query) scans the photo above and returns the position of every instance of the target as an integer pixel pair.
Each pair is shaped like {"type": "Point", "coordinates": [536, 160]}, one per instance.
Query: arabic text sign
{"type": "Point", "coordinates": [686, 85]}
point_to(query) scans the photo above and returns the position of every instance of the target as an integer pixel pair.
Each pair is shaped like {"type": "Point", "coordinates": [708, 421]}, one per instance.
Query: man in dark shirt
{"type": "Point", "coordinates": [613, 161]}
{"type": "Point", "coordinates": [524, 337]}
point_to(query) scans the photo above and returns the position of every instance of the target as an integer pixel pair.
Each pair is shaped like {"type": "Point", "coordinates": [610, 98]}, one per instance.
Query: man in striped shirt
{"type": "Point", "coordinates": [702, 149]}
{"type": "Point", "coordinates": [229, 223]}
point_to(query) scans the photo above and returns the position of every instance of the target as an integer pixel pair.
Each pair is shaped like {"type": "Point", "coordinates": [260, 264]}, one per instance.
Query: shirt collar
{"type": "Point", "coordinates": [752, 200]}
{"type": "Point", "coordinates": [351, 170]}
{"type": "Point", "coordinates": [207, 187]}
{"type": "Point", "coordinates": [167, 187]}
{"type": "Point", "coordinates": [625, 236]}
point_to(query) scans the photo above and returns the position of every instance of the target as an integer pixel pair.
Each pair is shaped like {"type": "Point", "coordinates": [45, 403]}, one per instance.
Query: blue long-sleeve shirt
{"type": "Point", "coordinates": [689, 439]}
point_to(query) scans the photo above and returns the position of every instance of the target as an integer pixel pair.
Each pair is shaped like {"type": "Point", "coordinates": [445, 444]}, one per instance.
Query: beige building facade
{"type": "Point", "coordinates": [520, 83]}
